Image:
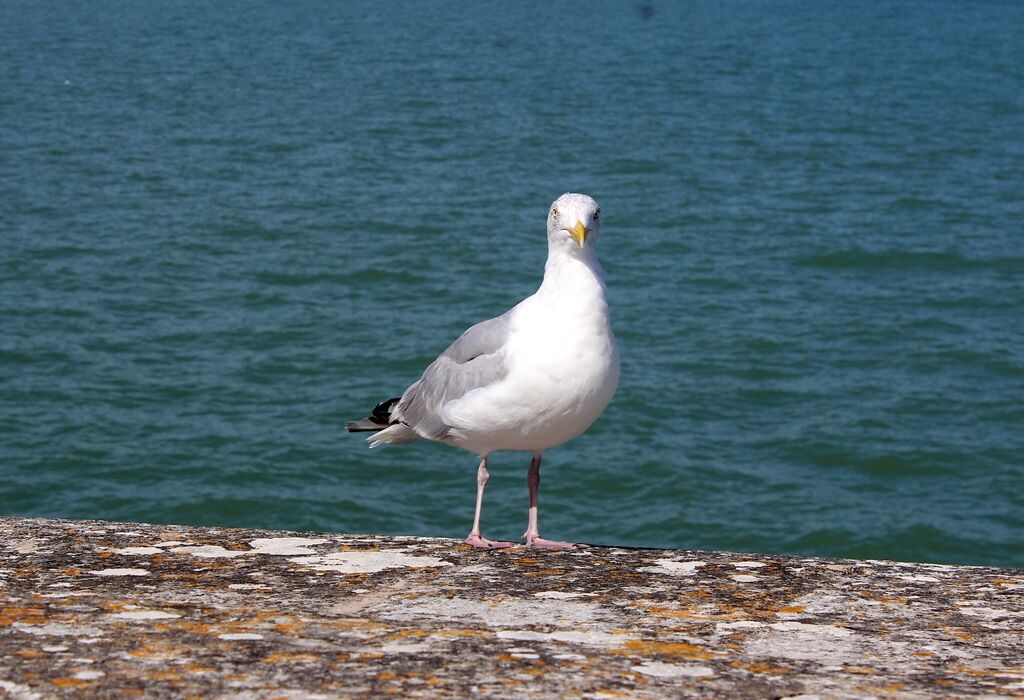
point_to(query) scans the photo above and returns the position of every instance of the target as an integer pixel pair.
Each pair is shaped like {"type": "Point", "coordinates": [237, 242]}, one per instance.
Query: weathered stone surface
{"type": "Point", "coordinates": [111, 609]}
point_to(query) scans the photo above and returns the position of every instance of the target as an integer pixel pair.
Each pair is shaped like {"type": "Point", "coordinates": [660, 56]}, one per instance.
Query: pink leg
{"type": "Point", "coordinates": [532, 534]}
{"type": "Point", "coordinates": [475, 539]}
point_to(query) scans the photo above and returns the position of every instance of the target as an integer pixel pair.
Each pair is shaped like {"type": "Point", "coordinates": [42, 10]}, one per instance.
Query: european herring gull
{"type": "Point", "coordinates": [533, 378]}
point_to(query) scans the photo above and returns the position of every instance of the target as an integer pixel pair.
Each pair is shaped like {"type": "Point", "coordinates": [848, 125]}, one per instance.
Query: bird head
{"type": "Point", "coordinates": [574, 222]}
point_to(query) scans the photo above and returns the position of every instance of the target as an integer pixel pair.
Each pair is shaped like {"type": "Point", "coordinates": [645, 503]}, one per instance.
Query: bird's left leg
{"type": "Point", "coordinates": [532, 534]}
{"type": "Point", "coordinates": [475, 539]}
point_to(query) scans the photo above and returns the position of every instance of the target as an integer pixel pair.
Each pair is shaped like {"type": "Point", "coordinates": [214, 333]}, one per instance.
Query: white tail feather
{"type": "Point", "coordinates": [397, 434]}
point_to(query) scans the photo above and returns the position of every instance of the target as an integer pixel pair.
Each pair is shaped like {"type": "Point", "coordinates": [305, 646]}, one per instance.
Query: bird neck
{"type": "Point", "coordinates": [565, 271]}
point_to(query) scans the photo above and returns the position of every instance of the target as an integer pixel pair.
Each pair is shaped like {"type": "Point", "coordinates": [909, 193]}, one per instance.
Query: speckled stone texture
{"type": "Point", "coordinates": [96, 609]}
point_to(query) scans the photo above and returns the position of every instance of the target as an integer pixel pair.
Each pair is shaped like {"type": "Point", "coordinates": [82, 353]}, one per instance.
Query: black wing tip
{"type": "Point", "coordinates": [381, 413]}
{"type": "Point", "coordinates": [379, 418]}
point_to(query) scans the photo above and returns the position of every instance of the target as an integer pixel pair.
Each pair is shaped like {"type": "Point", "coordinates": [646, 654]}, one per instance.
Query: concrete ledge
{"type": "Point", "coordinates": [111, 609]}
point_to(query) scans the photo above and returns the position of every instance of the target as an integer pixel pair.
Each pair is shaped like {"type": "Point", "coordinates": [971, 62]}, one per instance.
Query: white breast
{"type": "Point", "coordinates": [563, 372]}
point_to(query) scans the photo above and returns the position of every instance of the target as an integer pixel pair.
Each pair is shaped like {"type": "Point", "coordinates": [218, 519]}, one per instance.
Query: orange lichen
{"type": "Point", "coordinates": [199, 668]}
{"type": "Point", "coordinates": [761, 667]}
{"type": "Point", "coordinates": [878, 597]}
{"type": "Point", "coordinates": [284, 657]}
{"type": "Point", "coordinates": [403, 634]}
{"type": "Point", "coordinates": [158, 651]}
{"type": "Point", "coordinates": [27, 616]}
{"type": "Point", "coordinates": [464, 633]}
{"type": "Point", "coordinates": [860, 670]}
{"type": "Point", "coordinates": [699, 615]}
{"type": "Point", "coordinates": [192, 626]}
{"type": "Point", "coordinates": [70, 682]}
{"type": "Point", "coordinates": [644, 647]}
{"type": "Point", "coordinates": [289, 627]}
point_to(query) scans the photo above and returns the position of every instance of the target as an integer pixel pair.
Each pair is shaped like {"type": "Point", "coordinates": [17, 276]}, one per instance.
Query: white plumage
{"type": "Point", "coordinates": [534, 377]}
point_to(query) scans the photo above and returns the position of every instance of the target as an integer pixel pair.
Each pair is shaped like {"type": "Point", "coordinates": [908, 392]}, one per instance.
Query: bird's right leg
{"type": "Point", "coordinates": [475, 539]}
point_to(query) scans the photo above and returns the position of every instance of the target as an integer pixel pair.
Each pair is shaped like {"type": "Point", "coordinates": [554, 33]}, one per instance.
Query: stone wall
{"type": "Point", "coordinates": [113, 609]}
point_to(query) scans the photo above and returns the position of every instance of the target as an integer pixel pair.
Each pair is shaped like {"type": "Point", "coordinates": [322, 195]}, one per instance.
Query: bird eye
{"type": "Point", "coordinates": [597, 215]}
{"type": "Point", "coordinates": [554, 213]}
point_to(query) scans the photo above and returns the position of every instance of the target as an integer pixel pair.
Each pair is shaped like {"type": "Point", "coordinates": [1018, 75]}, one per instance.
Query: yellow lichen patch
{"type": "Point", "coordinates": [163, 676]}
{"type": "Point", "coordinates": [705, 616]}
{"type": "Point", "coordinates": [859, 670]}
{"type": "Point", "coordinates": [106, 555]}
{"type": "Point", "coordinates": [508, 658]}
{"type": "Point", "coordinates": [434, 681]}
{"type": "Point", "coordinates": [71, 683]}
{"type": "Point", "coordinates": [405, 634]}
{"type": "Point", "coordinates": [761, 667]}
{"type": "Point", "coordinates": [158, 651]}
{"type": "Point", "coordinates": [611, 694]}
{"type": "Point", "coordinates": [28, 653]}
{"type": "Point", "coordinates": [682, 650]}
{"type": "Point", "coordinates": [27, 616]}
{"type": "Point", "coordinates": [552, 572]}
{"type": "Point", "coordinates": [72, 571]}
{"type": "Point", "coordinates": [349, 622]}
{"type": "Point", "coordinates": [923, 654]}
{"type": "Point", "coordinates": [289, 627]}
{"type": "Point", "coordinates": [792, 610]}
{"type": "Point", "coordinates": [878, 597]}
{"type": "Point", "coordinates": [286, 658]}
{"type": "Point", "coordinates": [978, 671]}
{"type": "Point", "coordinates": [199, 668]}
{"type": "Point", "coordinates": [637, 678]}
{"type": "Point", "coordinates": [192, 626]}
{"type": "Point", "coordinates": [385, 676]}
{"type": "Point", "coordinates": [464, 633]}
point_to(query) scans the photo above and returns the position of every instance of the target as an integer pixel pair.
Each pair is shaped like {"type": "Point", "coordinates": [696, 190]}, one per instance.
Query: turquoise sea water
{"type": "Point", "coordinates": [227, 228]}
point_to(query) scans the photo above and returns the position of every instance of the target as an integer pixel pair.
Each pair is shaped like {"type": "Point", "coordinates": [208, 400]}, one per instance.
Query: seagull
{"type": "Point", "coordinates": [533, 378]}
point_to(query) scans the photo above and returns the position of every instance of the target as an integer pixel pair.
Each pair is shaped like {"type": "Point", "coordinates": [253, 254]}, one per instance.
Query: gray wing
{"type": "Point", "coordinates": [476, 359]}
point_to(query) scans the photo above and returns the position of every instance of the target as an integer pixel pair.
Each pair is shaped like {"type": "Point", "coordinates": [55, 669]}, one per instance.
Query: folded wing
{"type": "Point", "coordinates": [477, 359]}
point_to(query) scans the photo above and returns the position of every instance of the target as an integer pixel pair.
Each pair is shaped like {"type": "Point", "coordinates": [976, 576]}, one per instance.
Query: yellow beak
{"type": "Point", "coordinates": [578, 233]}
